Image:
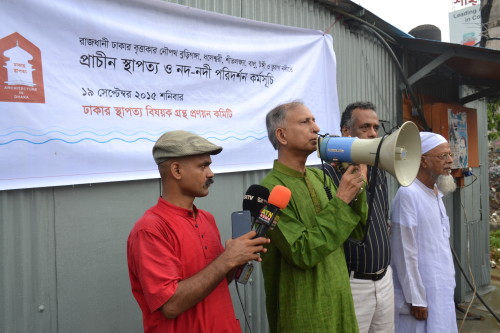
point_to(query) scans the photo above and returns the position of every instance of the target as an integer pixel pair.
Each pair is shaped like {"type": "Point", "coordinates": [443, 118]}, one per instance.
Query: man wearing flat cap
{"type": "Point", "coordinates": [423, 271]}
{"type": "Point", "coordinates": [178, 269]}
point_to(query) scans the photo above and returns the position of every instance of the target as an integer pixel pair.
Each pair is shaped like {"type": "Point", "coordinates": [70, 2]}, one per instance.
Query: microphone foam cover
{"type": "Point", "coordinates": [279, 196]}
{"type": "Point", "coordinates": [255, 199]}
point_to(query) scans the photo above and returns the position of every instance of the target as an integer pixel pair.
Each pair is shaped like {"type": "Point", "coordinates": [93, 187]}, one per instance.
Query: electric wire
{"type": "Point", "coordinates": [470, 270]}
{"type": "Point", "coordinates": [471, 285]}
{"type": "Point", "coordinates": [328, 191]}
{"type": "Point", "coordinates": [472, 182]}
{"type": "Point", "coordinates": [382, 36]}
{"type": "Point", "coordinates": [401, 72]}
{"type": "Point", "coordinates": [242, 307]}
{"type": "Point", "coordinates": [360, 20]}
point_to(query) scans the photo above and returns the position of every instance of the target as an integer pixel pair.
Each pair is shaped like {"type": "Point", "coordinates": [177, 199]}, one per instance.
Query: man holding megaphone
{"type": "Point", "coordinates": [305, 276]}
{"type": "Point", "coordinates": [368, 255]}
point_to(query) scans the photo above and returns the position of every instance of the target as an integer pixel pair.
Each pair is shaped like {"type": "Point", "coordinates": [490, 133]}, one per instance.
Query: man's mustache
{"type": "Point", "coordinates": [209, 182]}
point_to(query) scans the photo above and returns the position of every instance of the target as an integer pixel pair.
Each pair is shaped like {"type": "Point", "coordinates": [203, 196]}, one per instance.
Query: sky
{"type": "Point", "coordinates": [406, 14]}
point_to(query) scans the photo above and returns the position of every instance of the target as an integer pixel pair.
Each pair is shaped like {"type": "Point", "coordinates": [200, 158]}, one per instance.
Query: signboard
{"type": "Point", "coordinates": [465, 2]}
{"type": "Point", "coordinates": [86, 87]}
{"type": "Point", "coordinates": [465, 26]}
{"type": "Point", "coordinates": [457, 127]}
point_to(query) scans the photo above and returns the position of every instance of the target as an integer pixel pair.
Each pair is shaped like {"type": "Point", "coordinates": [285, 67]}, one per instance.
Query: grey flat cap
{"type": "Point", "coordinates": [181, 143]}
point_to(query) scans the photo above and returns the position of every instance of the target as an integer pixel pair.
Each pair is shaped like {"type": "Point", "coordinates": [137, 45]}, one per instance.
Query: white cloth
{"type": "Point", "coordinates": [374, 304]}
{"type": "Point", "coordinates": [422, 263]}
{"type": "Point", "coordinates": [430, 140]}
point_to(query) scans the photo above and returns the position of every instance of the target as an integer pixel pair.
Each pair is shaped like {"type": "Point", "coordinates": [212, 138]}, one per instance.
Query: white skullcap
{"type": "Point", "coordinates": [430, 140]}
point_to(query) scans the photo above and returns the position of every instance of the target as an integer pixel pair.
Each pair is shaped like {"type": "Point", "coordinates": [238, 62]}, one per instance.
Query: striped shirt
{"type": "Point", "coordinates": [374, 253]}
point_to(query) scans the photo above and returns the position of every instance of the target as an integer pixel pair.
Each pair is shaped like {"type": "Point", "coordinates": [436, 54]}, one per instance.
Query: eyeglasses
{"type": "Point", "coordinates": [367, 127]}
{"type": "Point", "coordinates": [441, 156]}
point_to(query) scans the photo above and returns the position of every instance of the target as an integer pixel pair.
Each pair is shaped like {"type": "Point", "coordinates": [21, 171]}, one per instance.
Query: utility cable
{"type": "Point", "coordinates": [474, 289]}
{"type": "Point", "coordinates": [242, 307]}
{"type": "Point", "coordinates": [471, 285]}
{"type": "Point", "coordinates": [375, 31]}
{"type": "Point", "coordinates": [401, 72]}
{"type": "Point", "coordinates": [360, 20]}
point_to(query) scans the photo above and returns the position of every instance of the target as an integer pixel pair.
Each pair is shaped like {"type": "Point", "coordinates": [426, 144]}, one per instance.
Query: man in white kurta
{"type": "Point", "coordinates": [424, 275]}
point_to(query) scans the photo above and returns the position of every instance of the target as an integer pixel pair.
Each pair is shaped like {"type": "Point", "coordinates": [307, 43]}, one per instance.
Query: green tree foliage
{"type": "Point", "coordinates": [493, 119]}
{"type": "Point", "coordinates": [495, 245]}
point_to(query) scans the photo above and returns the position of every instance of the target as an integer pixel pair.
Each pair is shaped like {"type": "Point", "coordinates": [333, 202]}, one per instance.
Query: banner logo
{"type": "Point", "coordinates": [21, 75]}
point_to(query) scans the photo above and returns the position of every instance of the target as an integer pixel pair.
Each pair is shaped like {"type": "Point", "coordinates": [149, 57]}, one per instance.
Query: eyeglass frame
{"type": "Point", "coordinates": [442, 156]}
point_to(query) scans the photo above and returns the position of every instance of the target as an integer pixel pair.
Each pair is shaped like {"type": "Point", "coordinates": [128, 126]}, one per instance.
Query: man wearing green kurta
{"type": "Point", "coordinates": [305, 275]}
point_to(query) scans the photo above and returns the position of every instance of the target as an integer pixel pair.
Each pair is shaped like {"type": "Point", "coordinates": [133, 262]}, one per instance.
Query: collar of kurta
{"type": "Point", "coordinates": [428, 190]}
{"type": "Point", "coordinates": [177, 210]}
{"type": "Point", "coordinates": [278, 166]}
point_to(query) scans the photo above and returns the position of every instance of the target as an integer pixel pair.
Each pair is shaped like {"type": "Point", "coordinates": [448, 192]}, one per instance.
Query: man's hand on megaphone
{"type": "Point", "coordinates": [350, 184]}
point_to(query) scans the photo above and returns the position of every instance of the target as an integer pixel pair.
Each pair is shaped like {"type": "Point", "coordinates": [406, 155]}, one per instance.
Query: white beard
{"type": "Point", "coordinates": [446, 184]}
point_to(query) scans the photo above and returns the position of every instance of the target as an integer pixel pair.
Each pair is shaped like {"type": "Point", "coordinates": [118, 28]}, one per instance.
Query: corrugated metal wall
{"type": "Point", "coordinates": [471, 215]}
{"type": "Point", "coordinates": [63, 262]}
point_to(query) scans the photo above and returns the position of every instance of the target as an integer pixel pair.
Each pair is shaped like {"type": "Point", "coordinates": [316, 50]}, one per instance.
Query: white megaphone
{"type": "Point", "coordinates": [399, 153]}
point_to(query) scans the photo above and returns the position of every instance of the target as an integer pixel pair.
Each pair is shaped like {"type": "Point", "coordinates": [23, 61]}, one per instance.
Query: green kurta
{"type": "Point", "coordinates": [305, 275]}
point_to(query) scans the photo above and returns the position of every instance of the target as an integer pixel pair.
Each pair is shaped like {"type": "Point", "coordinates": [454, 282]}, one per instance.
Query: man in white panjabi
{"type": "Point", "coordinates": [423, 271]}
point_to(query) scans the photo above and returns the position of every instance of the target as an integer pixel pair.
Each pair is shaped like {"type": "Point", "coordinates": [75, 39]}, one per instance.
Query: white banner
{"type": "Point", "coordinates": [86, 87]}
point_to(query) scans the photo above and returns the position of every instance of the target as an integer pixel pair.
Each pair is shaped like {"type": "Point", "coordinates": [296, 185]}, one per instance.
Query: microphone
{"type": "Point", "coordinates": [270, 214]}
{"type": "Point", "coordinates": [255, 199]}
{"type": "Point", "coordinates": [267, 218]}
